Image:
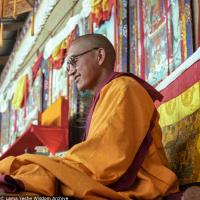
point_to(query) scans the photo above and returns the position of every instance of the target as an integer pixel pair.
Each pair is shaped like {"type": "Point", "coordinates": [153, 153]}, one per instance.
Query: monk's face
{"type": "Point", "coordinates": [83, 65]}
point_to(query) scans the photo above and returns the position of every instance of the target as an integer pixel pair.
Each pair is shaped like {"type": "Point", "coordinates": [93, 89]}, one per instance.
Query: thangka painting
{"type": "Point", "coordinates": [160, 37]}
{"type": "Point", "coordinates": [13, 126]}
{"type": "Point", "coordinates": [45, 85]}
{"type": "Point", "coordinates": [37, 91]}
{"type": "Point", "coordinates": [59, 87]}
{"type": "Point", "coordinates": [5, 127]}
{"type": "Point", "coordinates": [34, 100]}
{"type": "Point", "coordinates": [20, 122]}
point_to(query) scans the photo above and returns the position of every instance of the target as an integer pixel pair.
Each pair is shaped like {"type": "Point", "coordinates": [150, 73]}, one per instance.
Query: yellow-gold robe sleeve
{"type": "Point", "coordinates": [119, 124]}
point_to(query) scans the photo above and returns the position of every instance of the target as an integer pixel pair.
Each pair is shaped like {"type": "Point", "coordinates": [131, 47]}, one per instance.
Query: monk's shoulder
{"type": "Point", "coordinates": [123, 83]}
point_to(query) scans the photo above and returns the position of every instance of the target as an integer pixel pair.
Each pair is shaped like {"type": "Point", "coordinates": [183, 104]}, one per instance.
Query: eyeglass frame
{"type": "Point", "coordinates": [71, 61]}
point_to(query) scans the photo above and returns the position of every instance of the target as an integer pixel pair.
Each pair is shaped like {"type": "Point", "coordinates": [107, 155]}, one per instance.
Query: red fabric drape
{"type": "Point", "coordinates": [36, 66]}
{"type": "Point", "coordinates": [26, 141]}
{"type": "Point", "coordinates": [182, 83]}
{"type": "Point", "coordinates": [26, 93]}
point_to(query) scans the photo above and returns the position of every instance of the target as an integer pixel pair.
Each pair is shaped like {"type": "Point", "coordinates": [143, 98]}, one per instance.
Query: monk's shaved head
{"type": "Point", "coordinates": [97, 40]}
{"type": "Point", "coordinates": [91, 60]}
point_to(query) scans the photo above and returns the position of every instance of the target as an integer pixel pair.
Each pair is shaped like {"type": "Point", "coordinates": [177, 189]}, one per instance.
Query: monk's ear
{"type": "Point", "coordinates": [101, 56]}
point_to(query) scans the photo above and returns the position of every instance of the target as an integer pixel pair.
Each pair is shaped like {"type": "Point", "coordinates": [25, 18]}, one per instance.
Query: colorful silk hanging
{"type": "Point", "coordinates": [18, 97]}
{"type": "Point", "coordinates": [101, 11]}
{"type": "Point", "coordinates": [36, 66]}
{"type": "Point", "coordinates": [179, 120]}
{"type": "Point", "coordinates": [58, 55]}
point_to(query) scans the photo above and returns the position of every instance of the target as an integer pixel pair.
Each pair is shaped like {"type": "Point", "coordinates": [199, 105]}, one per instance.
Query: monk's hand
{"type": "Point", "coordinates": [192, 193]}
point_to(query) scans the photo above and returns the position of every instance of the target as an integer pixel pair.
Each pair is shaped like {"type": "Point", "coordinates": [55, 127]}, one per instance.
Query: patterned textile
{"type": "Point", "coordinates": [5, 127]}
{"type": "Point", "coordinates": [182, 144]}
{"type": "Point", "coordinates": [181, 106]}
{"type": "Point", "coordinates": [180, 123]}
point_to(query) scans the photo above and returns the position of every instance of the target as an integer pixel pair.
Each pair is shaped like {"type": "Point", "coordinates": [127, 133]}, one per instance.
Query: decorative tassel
{"type": "Point", "coordinates": [14, 9]}
{"type": "Point", "coordinates": [33, 20]}
{"type": "Point", "coordinates": [1, 35]}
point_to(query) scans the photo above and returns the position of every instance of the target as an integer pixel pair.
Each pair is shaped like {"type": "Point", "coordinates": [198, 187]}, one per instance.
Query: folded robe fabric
{"type": "Point", "coordinates": [10, 185]}
{"type": "Point", "coordinates": [86, 173]}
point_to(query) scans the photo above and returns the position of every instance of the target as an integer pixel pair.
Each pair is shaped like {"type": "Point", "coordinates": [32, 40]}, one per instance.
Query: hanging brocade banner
{"type": "Point", "coordinates": [100, 11]}
{"type": "Point", "coordinates": [179, 119]}
{"type": "Point", "coordinates": [59, 53]}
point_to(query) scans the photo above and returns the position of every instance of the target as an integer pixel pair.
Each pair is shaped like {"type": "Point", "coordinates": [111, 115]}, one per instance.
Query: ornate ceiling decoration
{"type": "Point", "coordinates": [13, 13]}
{"type": "Point", "coordinates": [11, 8]}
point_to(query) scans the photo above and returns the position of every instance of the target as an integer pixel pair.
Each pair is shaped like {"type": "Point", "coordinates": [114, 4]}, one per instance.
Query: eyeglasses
{"type": "Point", "coordinates": [72, 60]}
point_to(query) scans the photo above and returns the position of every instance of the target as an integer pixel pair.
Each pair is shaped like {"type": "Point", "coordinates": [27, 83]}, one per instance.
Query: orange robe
{"type": "Point", "coordinates": [119, 124]}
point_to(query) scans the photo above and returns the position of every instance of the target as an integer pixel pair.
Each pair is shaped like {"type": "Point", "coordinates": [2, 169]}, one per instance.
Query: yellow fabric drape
{"type": "Point", "coordinates": [181, 106]}
{"type": "Point", "coordinates": [99, 5]}
{"type": "Point", "coordinates": [19, 93]}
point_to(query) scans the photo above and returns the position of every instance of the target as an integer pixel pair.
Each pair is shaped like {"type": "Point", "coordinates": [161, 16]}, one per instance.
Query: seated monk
{"type": "Point", "coordinates": [121, 156]}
